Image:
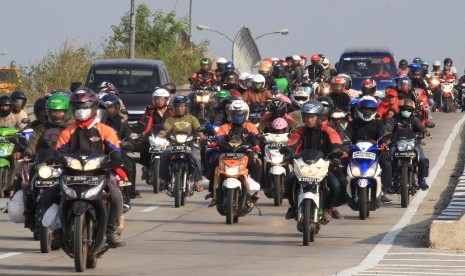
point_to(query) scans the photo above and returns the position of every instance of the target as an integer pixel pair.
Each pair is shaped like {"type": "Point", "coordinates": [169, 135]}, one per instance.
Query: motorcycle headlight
{"type": "Point", "coordinates": [93, 164]}
{"type": "Point", "coordinates": [45, 172]}
{"type": "Point", "coordinates": [355, 170]}
{"type": "Point", "coordinates": [68, 191]}
{"type": "Point", "coordinates": [404, 145]}
{"type": "Point", "coordinates": [92, 193]}
{"type": "Point", "coordinates": [371, 170]}
{"type": "Point", "coordinates": [73, 163]}
{"type": "Point", "coordinates": [181, 138]}
{"type": "Point", "coordinates": [232, 170]}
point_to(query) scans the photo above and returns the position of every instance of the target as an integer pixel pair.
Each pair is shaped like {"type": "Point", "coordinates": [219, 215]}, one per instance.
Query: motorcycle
{"type": "Point", "coordinates": [275, 166]}
{"type": "Point", "coordinates": [202, 104]}
{"type": "Point", "coordinates": [157, 146]}
{"type": "Point", "coordinates": [181, 166]}
{"type": "Point", "coordinates": [234, 195]}
{"type": "Point", "coordinates": [9, 137]}
{"type": "Point", "coordinates": [310, 169]}
{"type": "Point", "coordinates": [84, 207]}
{"type": "Point", "coordinates": [461, 89]}
{"type": "Point", "coordinates": [448, 97]}
{"type": "Point", "coordinates": [364, 179]}
{"type": "Point", "coordinates": [405, 165]}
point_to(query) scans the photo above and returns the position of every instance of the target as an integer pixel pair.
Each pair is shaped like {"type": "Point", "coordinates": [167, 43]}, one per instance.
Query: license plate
{"type": "Point", "coordinates": [276, 145]}
{"type": "Point", "coordinates": [308, 179]}
{"type": "Point", "coordinates": [405, 154]}
{"type": "Point", "coordinates": [82, 180]}
{"type": "Point", "coordinates": [154, 150]}
{"type": "Point", "coordinates": [177, 149]}
{"type": "Point", "coordinates": [45, 183]}
{"type": "Point", "coordinates": [364, 155]}
{"type": "Point", "coordinates": [233, 155]}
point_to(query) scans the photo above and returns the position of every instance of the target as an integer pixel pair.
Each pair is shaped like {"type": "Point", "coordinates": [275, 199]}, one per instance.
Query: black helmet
{"type": "Point", "coordinates": [39, 106]}
{"type": "Point", "coordinates": [84, 98]}
{"type": "Point", "coordinates": [111, 100]}
{"type": "Point", "coordinates": [5, 100]}
{"type": "Point", "coordinates": [403, 62]}
{"type": "Point", "coordinates": [19, 99]}
{"type": "Point", "coordinates": [231, 78]}
{"type": "Point", "coordinates": [446, 60]}
{"type": "Point", "coordinates": [278, 70]}
{"type": "Point", "coordinates": [277, 107]}
{"type": "Point", "coordinates": [328, 105]}
{"type": "Point", "coordinates": [417, 60]}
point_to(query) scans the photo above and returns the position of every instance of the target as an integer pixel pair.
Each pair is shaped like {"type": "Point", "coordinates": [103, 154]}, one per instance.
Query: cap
{"type": "Point", "coordinates": [391, 92]}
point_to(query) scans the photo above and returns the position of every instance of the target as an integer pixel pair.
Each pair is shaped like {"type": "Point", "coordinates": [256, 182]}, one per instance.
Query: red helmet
{"type": "Point", "coordinates": [315, 58]}
{"type": "Point", "coordinates": [302, 56]}
{"type": "Point", "coordinates": [368, 87]}
{"type": "Point", "coordinates": [337, 84]}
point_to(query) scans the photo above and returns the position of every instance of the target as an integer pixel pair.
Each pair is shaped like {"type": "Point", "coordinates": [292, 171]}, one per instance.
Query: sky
{"type": "Point", "coordinates": [431, 30]}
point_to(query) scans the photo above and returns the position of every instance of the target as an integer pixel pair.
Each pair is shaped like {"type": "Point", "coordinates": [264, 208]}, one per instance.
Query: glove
{"type": "Point", "coordinates": [383, 147]}
{"type": "Point", "coordinates": [116, 160]}
{"type": "Point", "coordinates": [257, 149]}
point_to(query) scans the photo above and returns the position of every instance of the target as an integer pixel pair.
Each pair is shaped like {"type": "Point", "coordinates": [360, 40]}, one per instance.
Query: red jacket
{"type": "Point", "coordinates": [322, 138]}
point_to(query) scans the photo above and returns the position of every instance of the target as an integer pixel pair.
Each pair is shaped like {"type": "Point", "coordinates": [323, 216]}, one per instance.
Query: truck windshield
{"type": "Point", "coordinates": [378, 67]}
{"type": "Point", "coordinates": [126, 80]}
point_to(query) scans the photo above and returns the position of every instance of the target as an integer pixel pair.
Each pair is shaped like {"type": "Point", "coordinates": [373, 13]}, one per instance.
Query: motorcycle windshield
{"type": "Point", "coordinates": [310, 156]}
{"type": "Point", "coordinates": [404, 134]}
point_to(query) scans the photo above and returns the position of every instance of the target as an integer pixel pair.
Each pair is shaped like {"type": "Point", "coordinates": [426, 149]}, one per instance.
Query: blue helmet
{"type": "Point", "coordinates": [367, 108]}
{"type": "Point", "coordinates": [229, 65]}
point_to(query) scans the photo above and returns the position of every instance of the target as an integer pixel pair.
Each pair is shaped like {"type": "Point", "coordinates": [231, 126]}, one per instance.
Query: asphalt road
{"type": "Point", "coordinates": [194, 239]}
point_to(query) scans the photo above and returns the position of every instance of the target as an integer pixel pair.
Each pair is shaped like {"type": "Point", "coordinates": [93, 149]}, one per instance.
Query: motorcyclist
{"type": "Point", "coordinates": [19, 100]}
{"type": "Point", "coordinates": [181, 121]}
{"type": "Point", "coordinates": [448, 62]}
{"type": "Point", "coordinates": [348, 86]}
{"type": "Point", "coordinates": [403, 66]}
{"type": "Point", "coordinates": [436, 71]}
{"type": "Point", "coordinates": [220, 67]}
{"type": "Point", "coordinates": [239, 127]}
{"type": "Point", "coordinates": [107, 87]}
{"type": "Point", "coordinates": [277, 108]}
{"type": "Point", "coordinates": [406, 119]}
{"type": "Point", "coordinates": [391, 100]}
{"type": "Point", "coordinates": [154, 118]}
{"type": "Point", "coordinates": [367, 128]}
{"type": "Point", "coordinates": [315, 70]}
{"type": "Point", "coordinates": [220, 109]}
{"type": "Point", "coordinates": [242, 84]}
{"type": "Point", "coordinates": [7, 118]}
{"type": "Point", "coordinates": [258, 93]}
{"type": "Point", "coordinates": [40, 113]}
{"type": "Point", "coordinates": [425, 66]}
{"type": "Point", "coordinates": [296, 71]}
{"type": "Point", "coordinates": [87, 133]}
{"type": "Point", "coordinates": [298, 97]}
{"type": "Point", "coordinates": [205, 76]}
{"type": "Point", "coordinates": [369, 88]}
{"type": "Point", "coordinates": [281, 78]}
{"type": "Point", "coordinates": [230, 81]}
{"type": "Point", "coordinates": [341, 100]}
{"type": "Point", "coordinates": [313, 135]}
{"type": "Point", "coordinates": [416, 75]}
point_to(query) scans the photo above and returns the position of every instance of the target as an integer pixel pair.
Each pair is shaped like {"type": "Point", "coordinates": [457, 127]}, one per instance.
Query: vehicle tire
{"type": "Point", "coordinates": [3, 182]}
{"type": "Point", "coordinates": [362, 203]}
{"type": "Point", "coordinates": [448, 105]}
{"type": "Point", "coordinates": [91, 262]}
{"type": "Point", "coordinates": [184, 190]}
{"type": "Point", "coordinates": [277, 182]}
{"type": "Point", "coordinates": [156, 175]}
{"type": "Point", "coordinates": [80, 245]}
{"type": "Point", "coordinates": [404, 187]}
{"type": "Point", "coordinates": [177, 188]}
{"type": "Point", "coordinates": [45, 239]}
{"type": "Point", "coordinates": [231, 201]}
{"type": "Point", "coordinates": [308, 210]}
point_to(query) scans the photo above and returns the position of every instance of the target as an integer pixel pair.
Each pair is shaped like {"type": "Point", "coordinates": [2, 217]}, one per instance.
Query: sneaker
{"type": "Point", "coordinates": [423, 185]}
{"type": "Point", "coordinates": [126, 207]}
{"type": "Point", "coordinates": [135, 194]}
{"type": "Point", "coordinates": [385, 199]}
{"type": "Point", "coordinates": [114, 240]}
{"type": "Point", "coordinates": [290, 214]}
{"type": "Point", "coordinates": [335, 214]}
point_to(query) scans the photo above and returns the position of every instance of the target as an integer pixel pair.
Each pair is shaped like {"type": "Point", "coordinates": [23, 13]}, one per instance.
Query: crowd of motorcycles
{"type": "Point", "coordinates": [77, 224]}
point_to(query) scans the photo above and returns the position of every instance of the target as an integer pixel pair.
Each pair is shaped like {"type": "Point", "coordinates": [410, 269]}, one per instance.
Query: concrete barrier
{"type": "Point", "coordinates": [447, 231]}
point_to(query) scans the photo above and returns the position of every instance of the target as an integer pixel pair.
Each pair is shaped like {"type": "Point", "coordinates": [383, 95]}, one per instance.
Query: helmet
{"type": "Point", "coordinates": [278, 71]}
{"type": "Point", "coordinates": [279, 124]}
{"type": "Point", "coordinates": [312, 107]}
{"type": "Point", "coordinates": [40, 109]}
{"type": "Point", "coordinates": [171, 87]}
{"type": "Point", "coordinates": [416, 72]}
{"type": "Point", "coordinates": [417, 60]}
{"type": "Point", "coordinates": [274, 60]}
{"type": "Point", "coordinates": [229, 65]}
{"type": "Point", "coordinates": [182, 100]}
{"type": "Point", "coordinates": [222, 95]}
{"type": "Point", "coordinates": [106, 87]}
{"type": "Point", "coordinates": [58, 111]}
{"type": "Point", "coordinates": [446, 60]}
{"type": "Point", "coordinates": [404, 85]}
{"type": "Point", "coordinates": [368, 87]}
{"type": "Point", "coordinates": [5, 100]}
{"type": "Point", "coordinates": [338, 84]}
{"type": "Point", "coordinates": [19, 99]}
{"type": "Point", "coordinates": [277, 107]}
{"type": "Point", "coordinates": [367, 108]}
{"type": "Point", "coordinates": [161, 92]}
{"type": "Point", "coordinates": [296, 59]}
{"type": "Point", "coordinates": [406, 108]}
{"type": "Point", "coordinates": [221, 63]}
{"type": "Point", "coordinates": [403, 62]}
{"type": "Point", "coordinates": [206, 64]}
{"type": "Point", "coordinates": [325, 63]}
{"type": "Point", "coordinates": [84, 103]}
{"type": "Point", "coordinates": [249, 81]}
{"type": "Point", "coordinates": [436, 63]}
{"type": "Point", "coordinates": [299, 96]}
{"type": "Point", "coordinates": [328, 104]}
{"type": "Point", "coordinates": [242, 80]}
{"type": "Point", "coordinates": [315, 59]}
{"type": "Point", "coordinates": [348, 81]}
{"type": "Point", "coordinates": [424, 63]}
{"type": "Point", "coordinates": [399, 76]}
{"type": "Point", "coordinates": [258, 81]}
{"type": "Point", "coordinates": [264, 68]}
{"type": "Point", "coordinates": [111, 101]}
{"type": "Point", "coordinates": [231, 78]}
{"type": "Point", "coordinates": [238, 112]}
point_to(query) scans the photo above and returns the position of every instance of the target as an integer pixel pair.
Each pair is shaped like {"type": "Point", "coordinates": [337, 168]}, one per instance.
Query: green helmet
{"type": "Point", "coordinates": [206, 63]}
{"type": "Point", "coordinates": [58, 110]}
{"type": "Point", "coordinates": [223, 94]}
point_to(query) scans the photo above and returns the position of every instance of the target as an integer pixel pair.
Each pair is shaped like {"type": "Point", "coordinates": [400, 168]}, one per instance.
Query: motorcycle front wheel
{"type": "Point", "coordinates": [404, 187]}
{"type": "Point", "coordinates": [177, 188]}
{"type": "Point", "coordinates": [80, 245]}
{"type": "Point", "coordinates": [362, 203]}
{"type": "Point", "coordinates": [4, 175]}
{"type": "Point", "coordinates": [45, 239]}
{"type": "Point", "coordinates": [277, 181]}
{"type": "Point", "coordinates": [155, 175]}
{"type": "Point", "coordinates": [308, 212]}
{"type": "Point", "coordinates": [231, 205]}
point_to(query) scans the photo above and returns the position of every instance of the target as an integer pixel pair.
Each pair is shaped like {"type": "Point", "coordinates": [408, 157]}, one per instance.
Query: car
{"type": "Point", "coordinates": [10, 79]}
{"type": "Point", "coordinates": [135, 80]}
{"type": "Point", "coordinates": [362, 63]}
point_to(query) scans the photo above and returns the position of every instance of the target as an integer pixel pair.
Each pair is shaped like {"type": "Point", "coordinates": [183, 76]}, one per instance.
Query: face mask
{"type": "Point", "coordinates": [83, 114]}
{"type": "Point", "coordinates": [406, 113]}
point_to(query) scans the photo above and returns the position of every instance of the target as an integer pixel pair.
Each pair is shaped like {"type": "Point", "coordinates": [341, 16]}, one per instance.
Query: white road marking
{"type": "Point", "coordinates": [383, 246]}
{"type": "Point", "coordinates": [7, 255]}
{"type": "Point", "coordinates": [426, 253]}
{"type": "Point", "coordinates": [149, 209]}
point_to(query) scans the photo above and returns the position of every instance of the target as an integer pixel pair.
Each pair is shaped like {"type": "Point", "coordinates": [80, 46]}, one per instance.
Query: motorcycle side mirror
{"type": "Point", "coordinates": [25, 121]}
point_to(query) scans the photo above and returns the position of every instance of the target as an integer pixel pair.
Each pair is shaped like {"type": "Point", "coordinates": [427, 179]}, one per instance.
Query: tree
{"type": "Point", "coordinates": [158, 36]}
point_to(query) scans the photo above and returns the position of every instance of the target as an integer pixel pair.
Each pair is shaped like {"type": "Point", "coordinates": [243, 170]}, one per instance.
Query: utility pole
{"type": "Point", "coordinates": [190, 23]}
{"type": "Point", "coordinates": [132, 30]}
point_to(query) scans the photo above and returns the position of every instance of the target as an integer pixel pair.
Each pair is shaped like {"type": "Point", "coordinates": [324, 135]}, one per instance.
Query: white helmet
{"type": "Point", "coordinates": [437, 63]}
{"type": "Point", "coordinates": [325, 63]}
{"type": "Point", "coordinates": [242, 77]}
{"type": "Point", "coordinates": [258, 81]}
{"type": "Point", "coordinates": [238, 112]}
{"type": "Point", "coordinates": [296, 58]}
{"type": "Point", "coordinates": [299, 96]}
{"type": "Point", "coordinates": [16, 207]}
{"type": "Point", "coordinates": [161, 92]}
{"type": "Point", "coordinates": [221, 60]}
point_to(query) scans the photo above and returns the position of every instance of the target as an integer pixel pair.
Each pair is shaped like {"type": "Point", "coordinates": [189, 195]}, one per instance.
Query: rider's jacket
{"type": "Point", "coordinates": [263, 97]}
{"type": "Point", "coordinates": [155, 118]}
{"type": "Point", "coordinates": [322, 138]}
{"type": "Point", "coordinates": [204, 77]}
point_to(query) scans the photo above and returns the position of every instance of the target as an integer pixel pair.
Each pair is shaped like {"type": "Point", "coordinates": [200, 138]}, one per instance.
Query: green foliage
{"type": "Point", "coordinates": [158, 36]}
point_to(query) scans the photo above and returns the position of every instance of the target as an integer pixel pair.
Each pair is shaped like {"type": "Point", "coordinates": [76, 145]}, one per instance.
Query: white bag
{"type": "Point", "coordinates": [52, 217]}
{"type": "Point", "coordinates": [16, 207]}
